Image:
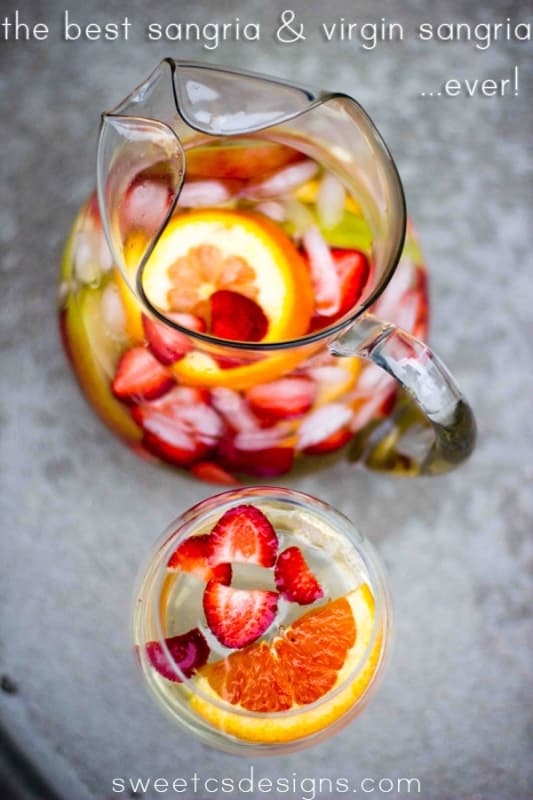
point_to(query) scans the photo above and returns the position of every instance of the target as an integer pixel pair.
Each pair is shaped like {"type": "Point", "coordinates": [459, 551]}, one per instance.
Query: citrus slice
{"type": "Point", "coordinates": [200, 369]}
{"type": "Point", "coordinates": [308, 661]}
{"type": "Point", "coordinates": [201, 252]}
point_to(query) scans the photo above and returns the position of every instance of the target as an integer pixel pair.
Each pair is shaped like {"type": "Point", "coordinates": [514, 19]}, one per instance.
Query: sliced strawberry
{"type": "Point", "coordinates": [330, 443]}
{"type": "Point", "coordinates": [167, 344]}
{"type": "Point", "coordinates": [140, 377]}
{"type": "Point", "coordinates": [192, 556]}
{"type": "Point", "coordinates": [188, 651]}
{"type": "Point", "coordinates": [294, 580]}
{"type": "Point", "coordinates": [353, 271]}
{"type": "Point", "coordinates": [181, 430]}
{"type": "Point", "coordinates": [324, 275]}
{"type": "Point", "coordinates": [281, 399]}
{"type": "Point", "coordinates": [234, 409]}
{"type": "Point", "coordinates": [236, 317]}
{"type": "Point", "coordinates": [243, 535]}
{"type": "Point", "coordinates": [238, 616]}
{"type": "Point", "coordinates": [211, 472]}
{"type": "Point", "coordinates": [322, 423]}
{"type": "Point", "coordinates": [266, 461]}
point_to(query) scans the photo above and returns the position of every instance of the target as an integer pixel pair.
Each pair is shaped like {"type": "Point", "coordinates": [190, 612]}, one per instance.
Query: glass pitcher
{"type": "Point", "coordinates": [220, 293]}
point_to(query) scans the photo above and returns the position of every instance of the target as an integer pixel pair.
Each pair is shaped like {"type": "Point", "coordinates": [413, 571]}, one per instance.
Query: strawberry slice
{"type": "Point", "coordinates": [243, 535]}
{"type": "Point", "coordinates": [281, 399]}
{"type": "Point", "coordinates": [265, 462]}
{"type": "Point", "coordinates": [189, 651]}
{"type": "Point", "coordinates": [322, 423]}
{"type": "Point", "coordinates": [238, 616]}
{"type": "Point", "coordinates": [294, 580]}
{"type": "Point", "coordinates": [182, 429]}
{"type": "Point", "coordinates": [167, 344]}
{"type": "Point", "coordinates": [330, 443]}
{"type": "Point", "coordinates": [353, 270]}
{"type": "Point", "coordinates": [192, 556]}
{"type": "Point", "coordinates": [211, 472]}
{"type": "Point", "coordinates": [140, 377]}
{"type": "Point", "coordinates": [236, 317]}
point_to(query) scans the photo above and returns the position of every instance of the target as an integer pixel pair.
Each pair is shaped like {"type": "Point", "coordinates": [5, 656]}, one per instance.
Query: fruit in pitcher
{"type": "Point", "coordinates": [294, 580]}
{"type": "Point", "coordinates": [315, 655]}
{"type": "Point", "coordinates": [235, 316]}
{"type": "Point", "coordinates": [203, 252]}
{"type": "Point", "coordinates": [238, 616]}
{"type": "Point", "coordinates": [281, 399]}
{"type": "Point", "coordinates": [352, 273]}
{"type": "Point", "coordinates": [140, 377]}
{"type": "Point", "coordinates": [252, 456]}
{"type": "Point", "coordinates": [167, 344]}
{"type": "Point", "coordinates": [243, 535]}
{"type": "Point", "coordinates": [181, 427]}
{"type": "Point", "coordinates": [241, 159]}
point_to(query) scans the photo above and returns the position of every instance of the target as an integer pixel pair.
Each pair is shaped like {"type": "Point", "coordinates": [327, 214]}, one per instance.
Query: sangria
{"type": "Point", "coordinates": [263, 244]}
{"type": "Point", "coordinates": [262, 621]}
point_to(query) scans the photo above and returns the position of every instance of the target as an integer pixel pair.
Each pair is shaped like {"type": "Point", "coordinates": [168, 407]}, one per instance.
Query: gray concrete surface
{"type": "Point", "coordinates": [79, 512]}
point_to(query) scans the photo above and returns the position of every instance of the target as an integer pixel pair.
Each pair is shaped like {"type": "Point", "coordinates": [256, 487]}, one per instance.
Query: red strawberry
{"type": "Point", "coordinates": [243, 535]}
{"type": "Point", "coordinates": [353, 271]}
{"type": "Point", "coordinates": [167, 344]}
{"type": "Point", "coordinates": [281, 399]}
{"type": "Point", "coordinates": [294, 579]}
{"type": "Point", "coordinates": [192, 556]}
{"type": "Point", "coordinates": [238, 616]}
{"type": "Point", "coordinates": [211, 472]}
{"type": "Point", "coordinates": [330, 443]}
{"type": "Point", "coordinates": [322, 423]}
{"type": "Point", "coordinates": [267, 462]}
{"type": "Point", "coordinates": [181, 429]}
{"type": "Point", "coordinates": [189, 651]}
{"type": "Point", "coordinates": [236, 317]}
{"type": "Point", "coordinates": [262, 452]}
{"type": "Point", "coordinates": [140, 377]}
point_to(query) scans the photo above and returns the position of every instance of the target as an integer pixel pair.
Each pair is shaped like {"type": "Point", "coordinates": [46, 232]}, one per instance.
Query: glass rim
{"type": "Point", "coordinates": [180, 529]}
{"type": "Point", "coordinates": [315, 100]}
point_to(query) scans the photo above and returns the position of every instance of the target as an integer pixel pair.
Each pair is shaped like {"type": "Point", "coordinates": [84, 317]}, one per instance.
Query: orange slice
{"type": "Point", "coordinates": [200, 369]}
{"type": "Point", "coordinates": [203, 251]}
{"type": "Point", "coordinates": [324, 650]}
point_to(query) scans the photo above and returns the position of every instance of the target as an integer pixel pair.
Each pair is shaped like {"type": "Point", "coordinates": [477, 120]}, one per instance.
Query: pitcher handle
{"type": "Point", "coordinates": [427, 381]}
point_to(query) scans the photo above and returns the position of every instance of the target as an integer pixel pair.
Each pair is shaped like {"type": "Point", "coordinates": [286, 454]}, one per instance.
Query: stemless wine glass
{"type": "Point", "coordinates": [262, 621]}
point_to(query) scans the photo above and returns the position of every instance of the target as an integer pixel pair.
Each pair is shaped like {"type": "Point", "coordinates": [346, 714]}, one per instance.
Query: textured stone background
{"type": "Point", "coordinates": [79, 511]}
